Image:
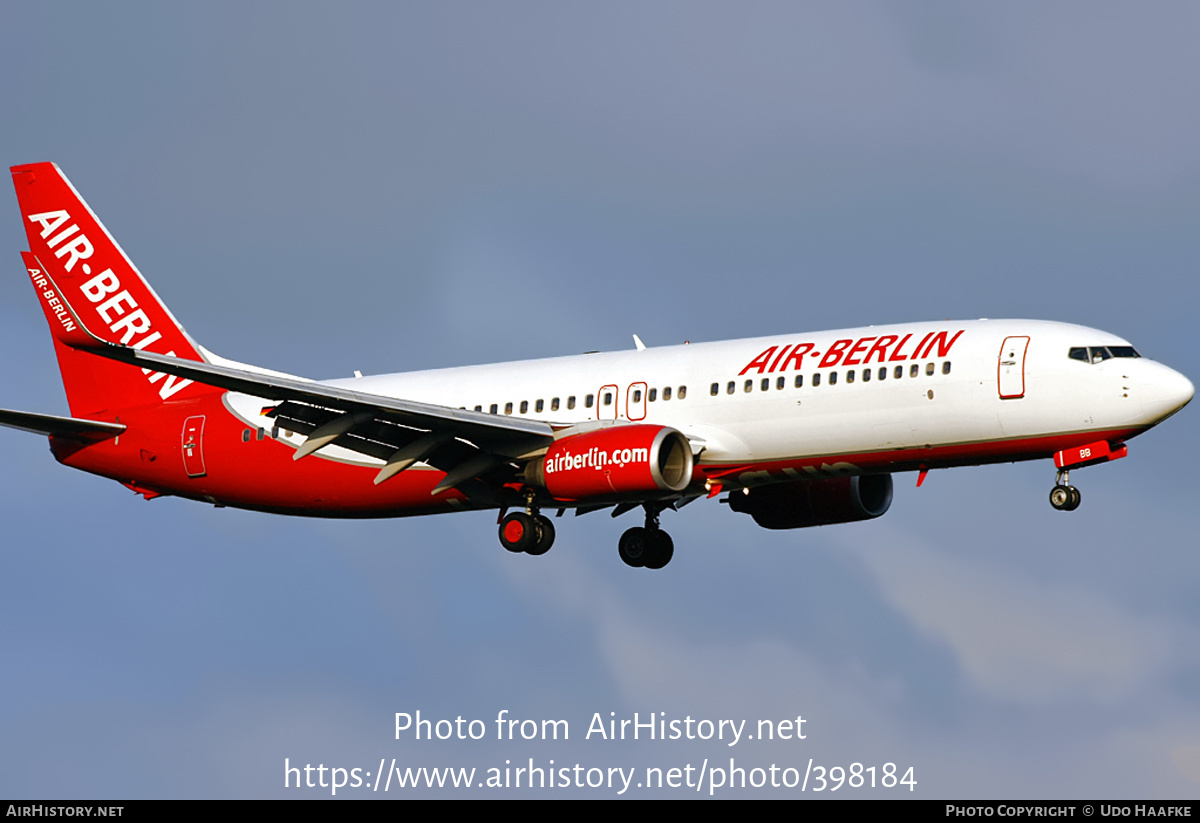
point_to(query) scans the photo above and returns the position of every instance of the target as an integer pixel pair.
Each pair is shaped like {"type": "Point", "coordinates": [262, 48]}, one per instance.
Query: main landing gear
{"type": "Point", "coordinates": [1064, 496]}
{"type": "Point", "coordinates": [527, 531]}
{"type": "Point", "coordinates": [647, 546]}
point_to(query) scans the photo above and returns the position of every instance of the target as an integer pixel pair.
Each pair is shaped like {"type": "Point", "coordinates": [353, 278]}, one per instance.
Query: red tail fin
{"type": "Point", "coordinates": [83, 277]}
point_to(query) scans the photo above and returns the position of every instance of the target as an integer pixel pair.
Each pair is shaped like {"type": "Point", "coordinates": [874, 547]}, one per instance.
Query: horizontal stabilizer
{"type": "Point", "coordinates": [50, 424]}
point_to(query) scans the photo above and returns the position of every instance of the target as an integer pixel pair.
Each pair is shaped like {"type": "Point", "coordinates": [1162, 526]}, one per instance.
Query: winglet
{"type": "Point", "coordinates": [65, 324]}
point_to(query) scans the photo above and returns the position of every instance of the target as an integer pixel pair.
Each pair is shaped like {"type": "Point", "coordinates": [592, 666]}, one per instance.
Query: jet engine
{"type": "Point", "coordinates": [816, 502]}
{"type": "Point", "coordinates": [617, 460]}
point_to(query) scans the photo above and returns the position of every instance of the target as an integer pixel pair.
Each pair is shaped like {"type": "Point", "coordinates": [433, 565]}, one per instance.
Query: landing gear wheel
{"type": "Point", "coordinates": [546, 536]}
{"type": "Point", "coordinates": [1065, 498]}
{"type": "Point", "coordinates": [519, 532]}
{"type": "Point", "coordinates": [662, 549]}
{"type": "Point", "coordinates": [1076, 499]}
{"type": "Point", "coordinates": [633, 547]}
{"type": "Point", "coordinates": [646, 548]}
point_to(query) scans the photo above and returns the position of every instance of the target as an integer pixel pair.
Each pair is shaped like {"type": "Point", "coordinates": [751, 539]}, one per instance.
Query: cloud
{"type": "Point", "coordinates": [1017, 638]}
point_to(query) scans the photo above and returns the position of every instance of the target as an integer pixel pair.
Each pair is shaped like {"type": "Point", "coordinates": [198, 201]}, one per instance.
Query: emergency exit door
{"type": "Point", "coordinates": [1010, 374]}
{"type": "Point", "coordinates": [193, 446]}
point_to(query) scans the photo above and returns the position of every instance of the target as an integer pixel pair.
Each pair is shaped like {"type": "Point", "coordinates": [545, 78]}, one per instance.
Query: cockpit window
{"type": "Point", "coordinates": [1097, 354]}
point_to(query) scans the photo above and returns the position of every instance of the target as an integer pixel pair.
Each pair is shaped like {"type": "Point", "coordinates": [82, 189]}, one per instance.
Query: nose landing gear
{"type": "Point", "coordinates": [647, 546]}
{"type": "Point", "coordinates": [1064, 497]}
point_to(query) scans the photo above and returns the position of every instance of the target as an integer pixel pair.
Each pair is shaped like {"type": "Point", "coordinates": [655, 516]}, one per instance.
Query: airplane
{"type": "Point", "coordinates": [797, 430]}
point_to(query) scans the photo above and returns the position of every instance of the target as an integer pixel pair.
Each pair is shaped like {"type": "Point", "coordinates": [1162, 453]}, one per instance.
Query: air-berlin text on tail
{"type": "Point", "coordinates": [887, 348]}
{"type": "Point", "coordinates": [51, 298]}
{"type": "Point", "coordinates": [120, 312]}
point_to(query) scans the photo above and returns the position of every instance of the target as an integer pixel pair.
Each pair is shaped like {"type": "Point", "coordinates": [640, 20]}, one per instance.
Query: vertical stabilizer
{"type": "Point", "coordinates": [82, 276]}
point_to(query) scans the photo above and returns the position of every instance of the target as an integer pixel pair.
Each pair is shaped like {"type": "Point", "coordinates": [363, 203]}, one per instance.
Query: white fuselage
{"type": "Point", "coordinates": [933, 397]}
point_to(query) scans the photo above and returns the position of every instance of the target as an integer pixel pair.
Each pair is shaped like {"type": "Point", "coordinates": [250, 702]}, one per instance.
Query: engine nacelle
{"type": "Point", "coordinates": [816, 502]}
{"type": "Point", "coordinates": [616, 460]}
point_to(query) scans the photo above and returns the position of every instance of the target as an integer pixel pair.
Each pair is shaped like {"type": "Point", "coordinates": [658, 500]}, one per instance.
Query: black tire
{"type": "Point", "coordinates": [1076, 498]}
{"type": "Point", "coordinates": [518, 532]}
{"type": "Point", "coordinates": [1060, 497]}
{"type": "Point", "coordinates": [662, 549]}
{"type": "Point", "coordinates": [633, 547]}
{"type": "Point", "coordinates": [546, 536]}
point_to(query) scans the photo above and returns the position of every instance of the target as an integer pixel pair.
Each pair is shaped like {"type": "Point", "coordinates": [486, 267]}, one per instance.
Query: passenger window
{"type": "Point", "coordinates": [899, 372]}
{"type": "Point", "coordinates": [914, 371]}
{"type": "Point", "coordinates": [524, 406]}
{"type": "Point", "coordinates": [833, 378]}
{"type": "Point", "coordinates": [508, 408]}
{"type": "Point", "coordinates": [492, 409]}
{"type": "Point", "coordinates": [850, 376]}
{"type": "Point", "coordinates": [538, 407]}
{"type": "Point", "coordinates": [714, 389]}
{"type": "Point", "coordinates": [653, 395]}
{"type": "Point", "coordinates": [608, 398]}
{"type": "Point", "coordinates": [816, 381]}
{"type": "Point", "coordinates": [682, 393]}
{"type": "Point", "coordinates": [730, 387]}
{"type": "Point", "coordinates": [479, 408]}
{"type": "Point", "coordinates": [780, 383]}
{"type": "Point", "coordinates": [946, 367]}
{"type": "Point", "coordinates": [246, 436]}
{"type": "Point", "coordinates": [866, 375]}
{"type": "Point", "coordinates": [749, 385]}
{"type": "Point", "coordinates": [587, 401]}
{"type": "Point", "coordinates": [274, 432]}
{"type": "Point", "coordinates": [571, 402]}
{"type": "Point", "coordinates": [928, 369]}
{"type": "Point", "coordinates": [261, 432]}
{"type": "Point", "coordinates": [799, 380]}
{"type": "Point", "coordinates": [554, 404]}
{"type": "Point", "coordinates": [883, 372]}
{"type": "Point", "coordinates": [637, 395]}
{"type": "Point", "coordinates": [667, 393]}
{"type": "Point", "coordinates": [766, 383]}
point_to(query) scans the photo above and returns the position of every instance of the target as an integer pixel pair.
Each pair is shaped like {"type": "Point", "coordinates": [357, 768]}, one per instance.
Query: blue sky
{"type": "Point", "coordinates": [320, 189]}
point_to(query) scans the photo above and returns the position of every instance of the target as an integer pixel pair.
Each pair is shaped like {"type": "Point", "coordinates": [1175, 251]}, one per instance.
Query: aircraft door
{"type": "Point", "coordinates": [635, 401]}
{"type": "Point", "coordinates": [607, 403]}
{"type": "Point", "coordinates": [1010, 371]}
{"type": "Point", "coordinates": [193, 446]}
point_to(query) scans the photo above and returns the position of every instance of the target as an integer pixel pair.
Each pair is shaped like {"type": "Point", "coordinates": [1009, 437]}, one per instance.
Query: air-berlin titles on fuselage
{"type": "Point", "coordinates": [119, 312]}
{"type": "Point", "coordinates": [862, 351]}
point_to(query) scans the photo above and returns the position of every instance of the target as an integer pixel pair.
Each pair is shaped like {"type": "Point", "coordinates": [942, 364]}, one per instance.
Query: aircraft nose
{"type": "Point", "coordinates": [1169, 392]}
{"type": "Point", "coordinates": [1181, 389]}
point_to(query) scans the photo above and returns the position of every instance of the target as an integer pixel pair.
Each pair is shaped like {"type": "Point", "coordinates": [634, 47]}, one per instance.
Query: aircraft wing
{"type": "Point", "coordinates": [476, 450]}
